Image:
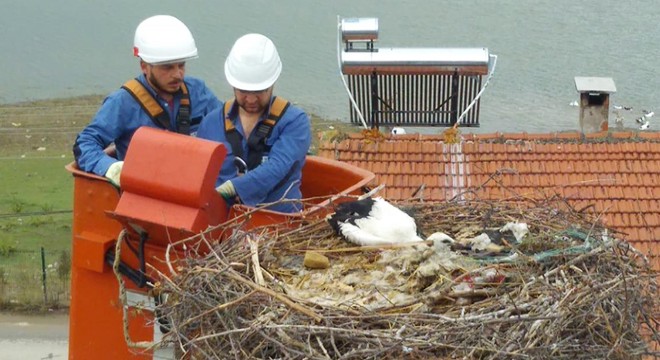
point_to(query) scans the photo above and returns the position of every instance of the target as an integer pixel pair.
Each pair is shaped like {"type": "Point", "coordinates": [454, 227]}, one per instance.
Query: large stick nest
{"type": "Point", "coordinates": [569, 290]}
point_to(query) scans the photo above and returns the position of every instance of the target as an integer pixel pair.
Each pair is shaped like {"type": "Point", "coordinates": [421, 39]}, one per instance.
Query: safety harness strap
{"type": "Point", "coordinates": [257, 141]}
{"type": "Point", "coordinates": [158, 115]}
{"type": "Point", "coordinates": [183, 116]}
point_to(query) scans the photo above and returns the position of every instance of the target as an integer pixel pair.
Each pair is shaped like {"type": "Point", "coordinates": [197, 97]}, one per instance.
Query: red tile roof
{"type": "Point", "coordinates": [617, 173]}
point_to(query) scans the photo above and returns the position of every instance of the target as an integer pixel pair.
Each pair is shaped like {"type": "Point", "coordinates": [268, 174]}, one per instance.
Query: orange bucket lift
{"type": "Point", "coordinates": [168, 194]}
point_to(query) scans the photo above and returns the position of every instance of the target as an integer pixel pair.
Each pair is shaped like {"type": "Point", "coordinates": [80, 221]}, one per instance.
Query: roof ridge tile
{"type": "Point", "coordinates": [650, 135]}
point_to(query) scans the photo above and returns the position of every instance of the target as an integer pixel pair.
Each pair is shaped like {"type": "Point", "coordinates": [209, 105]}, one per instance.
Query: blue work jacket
{"type": "Point", "coordinates": [280, 173]}
{"type": "Point", "coordinates": [120, 115]}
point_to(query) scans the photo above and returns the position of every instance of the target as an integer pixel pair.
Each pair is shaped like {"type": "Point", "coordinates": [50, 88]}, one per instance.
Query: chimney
{"type": "Point", "coordinates": [594, 102]}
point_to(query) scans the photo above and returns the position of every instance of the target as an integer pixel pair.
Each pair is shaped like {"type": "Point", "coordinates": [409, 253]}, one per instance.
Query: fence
{"type": "Point", "coordinates": [30, 278]}
{"type": "Point", "coordinates": [35, 237]}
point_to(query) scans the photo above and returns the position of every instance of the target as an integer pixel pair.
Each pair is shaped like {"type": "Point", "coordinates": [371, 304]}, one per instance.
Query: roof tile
{"type": "Point", "coordinates": [596, 136]}
{"type": "Point", "coordinates": [617, 173]}
{"type": "Point", "coordinates": [569, 135]}
{"type": "Point", "coordinates": [653, 135]}
{"type": "Point", "coordinates": [623, 135]}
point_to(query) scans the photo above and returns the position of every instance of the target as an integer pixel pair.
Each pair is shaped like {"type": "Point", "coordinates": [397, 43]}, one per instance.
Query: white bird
{"type": "Point", "coordinates": [645, 125]}
{"type": "Point", "coordinates": [376, 222]}
{"type": "Point", "coordinates": [619, 120]}
{"type": "Point", "coordinates": [618, 107]}
{"type": "Point", "coordinates": [519, 230]}
{"type": "Point", "coordinates": [441, 242]}
{"type": "Point", "coordinates": [480, 242]}
{"type": "Point", "coordinates": [648, 114]}
{"type": "Point", "coordinates": [16, 124]}
{"type": "Point", "coordinates": [398, 131]}
{"type": "Point", "coordinates": [573, 103]}
{"type": "Point", "coordinates": [373, 222]}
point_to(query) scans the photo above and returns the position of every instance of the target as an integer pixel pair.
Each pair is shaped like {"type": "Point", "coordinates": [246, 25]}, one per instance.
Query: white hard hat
{"type": "Point", "coordinates": [253, 63]}
{"type": "Point", "coordinates": [163, 39]}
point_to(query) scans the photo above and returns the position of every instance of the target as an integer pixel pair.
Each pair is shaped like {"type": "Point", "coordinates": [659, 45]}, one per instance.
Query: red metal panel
{"type": "Point", "coordinates": [168, 182]}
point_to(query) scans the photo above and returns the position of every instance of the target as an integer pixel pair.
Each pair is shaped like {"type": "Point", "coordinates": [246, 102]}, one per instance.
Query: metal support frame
{"type": "Point", "coordinates": [414, 100]}
{"type": "Point", "coordinates": [409, 86]}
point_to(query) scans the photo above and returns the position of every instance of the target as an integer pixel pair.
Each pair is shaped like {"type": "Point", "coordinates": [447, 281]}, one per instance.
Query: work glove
{"type": "Point", "coordinates": [114, 171]}
{"type": "Point", "coordinates": [226, 190]}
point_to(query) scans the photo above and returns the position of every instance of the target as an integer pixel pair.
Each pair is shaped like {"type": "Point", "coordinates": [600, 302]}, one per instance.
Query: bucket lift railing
{"type": "Point", "coordinates": [410, 86]}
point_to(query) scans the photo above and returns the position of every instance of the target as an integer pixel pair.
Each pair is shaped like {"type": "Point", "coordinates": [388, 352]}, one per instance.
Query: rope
{"type": "Point", "coordinates": [122, 296]}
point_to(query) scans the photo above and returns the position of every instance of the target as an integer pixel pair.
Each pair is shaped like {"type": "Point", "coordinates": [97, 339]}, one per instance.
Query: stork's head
{"type": "Point", "coordinates": [441, 241]}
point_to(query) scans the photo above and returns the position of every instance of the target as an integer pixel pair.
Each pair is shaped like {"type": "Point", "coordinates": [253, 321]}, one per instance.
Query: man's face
{"type": "Point", "coordinates": [253, 102]}
{"type": "Point", "coordinates": [166, 78]}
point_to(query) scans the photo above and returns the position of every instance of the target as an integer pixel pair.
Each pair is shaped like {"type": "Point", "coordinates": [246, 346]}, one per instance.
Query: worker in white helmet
{"type": "Point", "coordinates": [266, 137]}
{"type": "Point", "coordinates": [161, 96]}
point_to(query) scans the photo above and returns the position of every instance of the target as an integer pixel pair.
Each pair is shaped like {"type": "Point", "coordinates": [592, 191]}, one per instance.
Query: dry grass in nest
{"type": "Point", "coordinates": [571, 291]}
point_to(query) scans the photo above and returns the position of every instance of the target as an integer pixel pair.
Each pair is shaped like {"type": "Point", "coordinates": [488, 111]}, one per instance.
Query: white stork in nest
{"type": "Point", "coordinates": [374, 222]}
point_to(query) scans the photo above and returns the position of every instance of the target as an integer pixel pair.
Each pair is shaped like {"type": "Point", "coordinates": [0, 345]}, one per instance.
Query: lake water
{"type": "Point", "coordinates": [75, 47]}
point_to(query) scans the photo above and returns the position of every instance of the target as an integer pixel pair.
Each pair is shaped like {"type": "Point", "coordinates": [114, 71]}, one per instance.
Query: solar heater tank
{"type": "Point", "coordinates": [400, 61]}
{"type": "Point", "coordinates": [356, 31]}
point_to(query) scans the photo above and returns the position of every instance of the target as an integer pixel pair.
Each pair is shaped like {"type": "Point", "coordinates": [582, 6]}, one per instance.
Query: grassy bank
{"type": "Point", "coordinates": [36, 196]}
{"type": "Point", "coordinates": [35, 208]}
{"type": "Point", "coordinates": [36, 200]}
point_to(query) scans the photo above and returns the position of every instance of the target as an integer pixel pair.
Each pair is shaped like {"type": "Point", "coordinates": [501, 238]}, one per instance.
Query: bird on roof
{"type": "Point", "coordinates": [398, 131]}
{"type": "Point", "coordinates": [645, 125]}
{"type": "Point", "coordinates": [619, 120]}
{"type": "Point", "coordinates": [648, 114]}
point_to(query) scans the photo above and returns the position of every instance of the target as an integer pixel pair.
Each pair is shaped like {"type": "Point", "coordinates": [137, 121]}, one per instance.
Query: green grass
{"type": "Point", "coordinates": [35, 191]}
{"type": "Point", "coordinates": [37, 184]}
{"type": "Point", "coordinates": [36, 197]}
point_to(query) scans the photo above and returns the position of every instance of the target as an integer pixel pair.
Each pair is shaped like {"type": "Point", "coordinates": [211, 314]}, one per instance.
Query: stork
{"type": "Point", "coordinates": [374, 222]}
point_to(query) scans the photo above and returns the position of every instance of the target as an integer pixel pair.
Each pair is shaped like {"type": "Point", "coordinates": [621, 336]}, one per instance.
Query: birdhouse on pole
{"type": "Point", "coordinates": [594, 102]}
